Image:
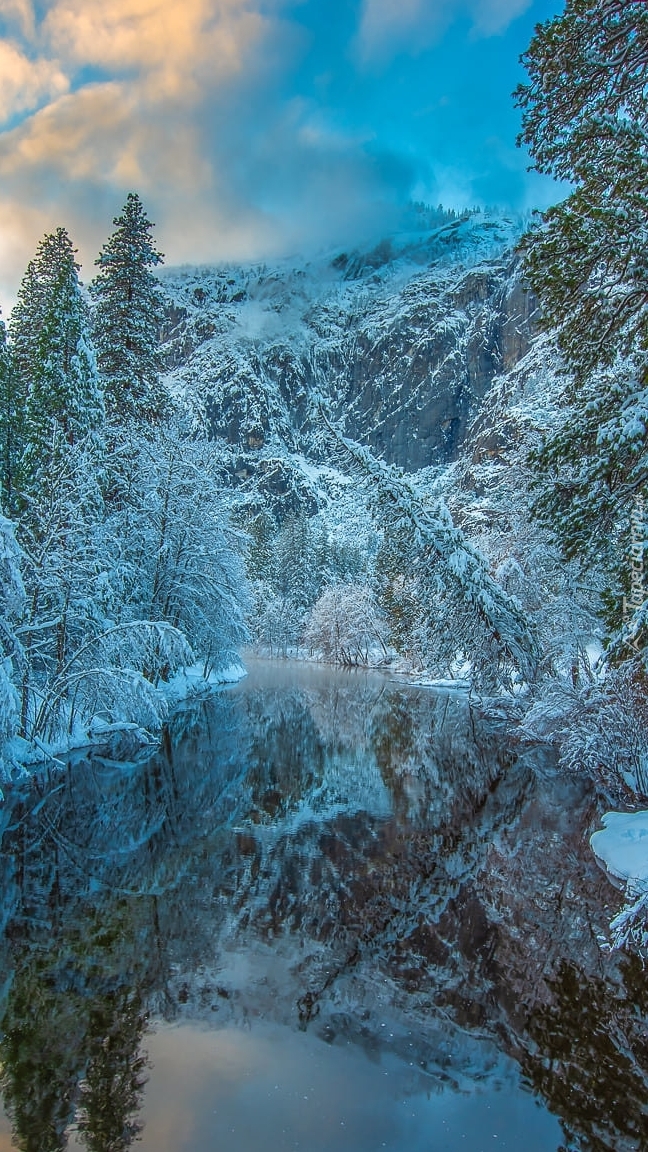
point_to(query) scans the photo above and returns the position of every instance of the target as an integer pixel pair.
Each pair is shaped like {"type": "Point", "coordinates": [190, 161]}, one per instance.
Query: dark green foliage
{"type": "Point", "coordinates": [294, 577]}
{"type": "Point", "coordinates": [128, 317]}
{"type": "Point", "coordinates": [262, 531]}
{"type": "Point", "coordinates": [54, 390]}
{"type": "Point", "coordinates": [12, 413]}
{"type": "Point", "coordinates": [585, 120]}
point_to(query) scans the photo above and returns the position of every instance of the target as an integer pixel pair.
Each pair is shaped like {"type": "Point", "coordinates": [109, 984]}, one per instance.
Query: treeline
{"type": "Point", "coordinates": [119, 563]}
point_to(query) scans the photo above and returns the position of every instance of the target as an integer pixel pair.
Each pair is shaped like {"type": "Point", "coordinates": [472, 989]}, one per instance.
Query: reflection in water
{"type": "Point", "coordinates": [342, 858]}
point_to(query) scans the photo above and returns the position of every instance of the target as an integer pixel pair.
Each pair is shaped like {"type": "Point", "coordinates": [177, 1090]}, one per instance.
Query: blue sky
{"type": "Point", "coordinates": [255, 127]}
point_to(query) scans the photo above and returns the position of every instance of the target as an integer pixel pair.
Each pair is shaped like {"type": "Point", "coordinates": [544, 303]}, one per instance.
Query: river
{"type": "Point", "coordinates": [334, 912]}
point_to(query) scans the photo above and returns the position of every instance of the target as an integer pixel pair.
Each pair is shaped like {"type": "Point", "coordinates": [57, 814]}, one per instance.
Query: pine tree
{"type": "Point", "coordinates": [54, 370]}
{"type": "Point", "coordinates": [585, 120]}
{"type": "Point", "coordinates": [449, 596]}
{"type": "Point", "coordinates": [12, 411]}
{"type": "Point", "coordinates": [128, 316]}
{"type": "Point", "coordinates": [28, 313]}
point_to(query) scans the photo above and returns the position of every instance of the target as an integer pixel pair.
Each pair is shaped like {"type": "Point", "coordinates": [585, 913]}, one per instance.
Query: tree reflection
{"type": "Point", "coordinates": [42, 1052]}
{"type": "Point", "coordinates": [111, 1091]}
{"type": "Point", "coordinates": [590, 1057]}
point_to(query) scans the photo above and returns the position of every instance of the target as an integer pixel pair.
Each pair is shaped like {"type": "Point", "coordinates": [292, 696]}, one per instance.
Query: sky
{"type": "Point", "coordinates": [255, 128]}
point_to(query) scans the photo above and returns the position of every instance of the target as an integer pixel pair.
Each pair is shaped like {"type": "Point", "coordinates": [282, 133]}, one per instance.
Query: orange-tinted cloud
{"type": "Point", "coordinates": [114, 96]}
{"type": "Point", "coordinates": [19, 16]}
{"type": "Point", "coordinates": [25, 83]}
{"type": "Point", "coordinates": [170, 45]}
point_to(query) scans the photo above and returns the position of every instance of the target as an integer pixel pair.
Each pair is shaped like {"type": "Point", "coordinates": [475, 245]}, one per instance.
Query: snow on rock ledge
{"type": "Point", "coordinates": [622, 845]}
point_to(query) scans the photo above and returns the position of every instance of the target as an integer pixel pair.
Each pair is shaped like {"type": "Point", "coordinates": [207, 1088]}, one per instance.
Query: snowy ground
{"type": "Point", "coordinates": [622, 845]}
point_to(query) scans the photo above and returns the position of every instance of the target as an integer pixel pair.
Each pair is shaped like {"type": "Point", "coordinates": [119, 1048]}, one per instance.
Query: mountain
{"type": "Point", "coordinates": [399, 342]}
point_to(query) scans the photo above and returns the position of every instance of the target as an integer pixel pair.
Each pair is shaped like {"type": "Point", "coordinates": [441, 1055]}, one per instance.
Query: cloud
{"type": "Point", "coordinates": [172, 46]}
{"type": "Point", "coordinates": [112, 94]}
{"type": "Point", "coordinates": [391, 26]}
{"type": "Point", "coordinates": [207, 108]}
{"type": "Point", "coordinates": [25, 83]}
{"type": "Point", "coordinates": [19, 16]}
{"type": "Point", "coordinates": [186, 102]}
{"type": "Point", "coordinates": [387, 26]}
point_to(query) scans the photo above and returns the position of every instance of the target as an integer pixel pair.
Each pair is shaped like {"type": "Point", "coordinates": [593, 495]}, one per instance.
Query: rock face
{"type": "Point", "coordinates": [400, 343]}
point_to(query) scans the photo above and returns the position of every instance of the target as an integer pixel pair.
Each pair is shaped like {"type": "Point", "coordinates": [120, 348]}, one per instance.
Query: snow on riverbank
{"type": "Point", "coordinates": [622, 845]}
{"type": "Point", "coordinates": [120, 740]}
{"type": "Point", "coordinates": [191, 682]}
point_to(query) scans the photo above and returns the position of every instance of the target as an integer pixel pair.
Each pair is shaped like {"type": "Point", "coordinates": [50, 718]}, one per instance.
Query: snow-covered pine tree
{"type": "Point", "coordinates": [54, 375]}
{"type": "Point", "coordinates": [585, 120]}
{"type": "Point", "coordinates": [12, 412]}
{"type": "Point", "coordinates": [64, 401]}
{"type": "Point", "coordinates": [27, 314]}
{"type": "Point", "coordinates": [294, 577]}
{"type": "Point", "coordinates": [127, 318]}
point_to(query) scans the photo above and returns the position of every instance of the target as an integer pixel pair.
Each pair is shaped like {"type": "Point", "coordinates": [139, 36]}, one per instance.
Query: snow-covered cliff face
{"type": "Point", "coordinates": [400, 342]}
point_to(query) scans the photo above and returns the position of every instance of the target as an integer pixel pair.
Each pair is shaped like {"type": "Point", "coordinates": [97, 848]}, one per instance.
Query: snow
{"type": "Point", "coordinates": [191, 681]}
{"type": "Point", "coordinates": [622, 845]}
{"type": "Point", "coordinates": [441, 684]}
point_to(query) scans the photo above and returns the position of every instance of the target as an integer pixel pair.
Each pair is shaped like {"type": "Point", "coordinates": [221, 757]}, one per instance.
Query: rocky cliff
{"type": "Point", "coordinates": [400, 343]}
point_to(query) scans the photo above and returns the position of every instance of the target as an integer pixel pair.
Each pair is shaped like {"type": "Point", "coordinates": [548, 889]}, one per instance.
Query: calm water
{"type": "Point", "coordinates": [335, 913]}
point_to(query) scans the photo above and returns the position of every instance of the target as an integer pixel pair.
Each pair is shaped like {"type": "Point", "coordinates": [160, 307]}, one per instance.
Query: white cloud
{"type": "Point", "coordinates": [387, 26]}
{"type": "Point", "coordinates": [83, 143]}
{"type": "Point", "coordinates": [170, 45]}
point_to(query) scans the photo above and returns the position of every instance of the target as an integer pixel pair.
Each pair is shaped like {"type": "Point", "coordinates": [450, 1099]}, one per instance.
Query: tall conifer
{"type": "Point", "coordinates": [57, 370]}
{"type": "Point", "coordinates": [11, 423]}
{"type": "Point", "coordinates": [128, 317]}
{"type": "Point", "coordinates": [585, 120]}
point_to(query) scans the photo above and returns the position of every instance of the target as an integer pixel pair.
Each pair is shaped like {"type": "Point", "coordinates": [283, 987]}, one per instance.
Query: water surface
{"type": "Point", "coordinates": [335, 913]}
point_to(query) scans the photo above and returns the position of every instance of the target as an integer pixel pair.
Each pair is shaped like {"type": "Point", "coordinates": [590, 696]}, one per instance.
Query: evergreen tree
{"type": "Point", "coordinates": [294, 575]}
{"type": "Point", "coordinates": [585, 120]}
{"type": "Point", "coordinates": [262, 532]}
{"type": "Point", "coordinates": [128, 316]}
{"type": "Point", "coordinates": [28, 313]}
{"type": "Point", "coordinates": [441, 586]}
{"type": "Point", "coordinates": [12, 411]}
{"type": "Point", "coordinates": [54, 370]}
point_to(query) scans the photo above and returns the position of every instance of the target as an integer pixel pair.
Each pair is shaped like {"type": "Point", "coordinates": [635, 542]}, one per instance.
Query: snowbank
{"type": "Point", "coordinates": [191, 682]}
{"type": "Point", "coordinates": [622, 845]}
{"type": "Point", "coordinates": [120, 740]}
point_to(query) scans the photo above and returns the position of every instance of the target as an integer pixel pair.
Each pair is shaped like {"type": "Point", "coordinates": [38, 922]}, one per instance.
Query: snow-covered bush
{"type": "Point", "coordinates": [346, 626]}
{"type": "Point", "coordinates": [605, 733]}
{"type": "Point", "coordinates": [173, 555]}
{"type": "Point", "coordinates": [275, 621]}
